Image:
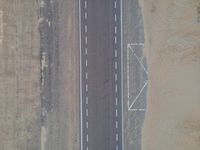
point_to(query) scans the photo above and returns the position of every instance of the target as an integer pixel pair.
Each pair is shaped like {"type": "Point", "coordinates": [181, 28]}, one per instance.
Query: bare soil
{"type": "Point", "coordinates": [29, 121]}
{"type": "Point", "coordinates": [172, 48]}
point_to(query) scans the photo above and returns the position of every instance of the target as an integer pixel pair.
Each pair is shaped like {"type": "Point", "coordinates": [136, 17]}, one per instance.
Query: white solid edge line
{"type": "Point", "coordinates": [80, 65]}
{"type": "Point", "coordinates": [122, 94]}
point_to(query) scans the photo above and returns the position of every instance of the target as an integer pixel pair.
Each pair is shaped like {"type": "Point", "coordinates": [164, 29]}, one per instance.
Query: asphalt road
{"type": "Point", "coordinates": [100, 74]}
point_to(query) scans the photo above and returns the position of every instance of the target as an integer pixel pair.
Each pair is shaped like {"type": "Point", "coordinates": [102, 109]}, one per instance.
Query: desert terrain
{"type": "Point", "coordinates": [172, 48]}
{"type": "Point", "coordinates": [39, 75]}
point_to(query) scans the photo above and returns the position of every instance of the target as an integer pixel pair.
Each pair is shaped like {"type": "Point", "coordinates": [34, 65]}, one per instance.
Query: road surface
{"type": "Point", "coordinates": [101, 75]}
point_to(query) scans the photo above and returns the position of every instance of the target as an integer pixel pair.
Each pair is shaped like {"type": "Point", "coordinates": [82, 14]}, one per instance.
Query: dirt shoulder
{"type": "Point", "coordinates": [172, 40]}
{"type": "Point", "coordinates": [60, 86]}
{"type": "Point", "coordinates": [19, 74]}
{"type": "Point", "coordinates": [39, 75]}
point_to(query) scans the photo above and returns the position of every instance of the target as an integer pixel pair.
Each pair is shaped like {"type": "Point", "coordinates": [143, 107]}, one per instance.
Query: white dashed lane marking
{"type": "Point", "coordinates": [86, 51]}
{"type": "Point", "coordinates": [85, 15]}
{"type": "Point", "coordinates": [115, 18]}
{"type": "Point", "coordinates": [86, 100]}
{"type": "Point", "coordinates": [86, 28]}
{"type": "Point", "coordinates": [115, 76]}
{"type": "Point", "coordinates": [116, 113]}
{"type": "Point", "coordinates": [86, 62]}
{"type": "Point", "coordinates": [85, 4]}
{"type": "Point", "coordinates": [116, 147]}
{"type": "Point", "coordinates": [115, 29]}
{"type": "Point", "coordinates": [115, 65]}
{"type": "Point", "coordinates": [116, 101]}
{"type": "Point", "coordinates": [116, 88]}
{"type": "Point", "coordinates": [115, 4]}
{"type": "Point", "coordinates": [86, 87]}
{"type": "Point", "coordinates": [116, 124]}
{"type": "Point", "coordinates": [86, 75]}
{"type": "Point", "coordinates": [87, 124]}
{"type": "Point", "coordinates": [87, 139]}
{"type": "Point", "coordinates": [115, 53]}
{"type": "Point", "coordinates": [86, 112]}
{"type": "Point", "coordinates": [116, 137]}
{"type": "Point", "coordinates": [86, 40]}
{"type": "Point", "coordinates": [115, 39]}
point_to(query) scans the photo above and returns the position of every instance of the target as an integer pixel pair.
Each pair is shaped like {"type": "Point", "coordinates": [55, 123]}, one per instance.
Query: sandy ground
{"type": "Point", "coordinates": [172, 47]}
{"type": "Point", "coordinates": [19, 74]}
{"type": "Point", "coordinates": [29, 121]}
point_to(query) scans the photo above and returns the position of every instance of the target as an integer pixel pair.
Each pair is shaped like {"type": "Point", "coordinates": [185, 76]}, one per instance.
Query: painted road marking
{"type": "Point", "coordinates": [87, 148]}
{"type": "Point", "coordinates": [85, 15]}
{"type": "Point", "coordinates": [117, 147]}
{"type": "Point", "coordinates": [116, 124]}
{"type": "Point", "coordinates": [116, 138]}
{"type": "Point", "coordinates": [116, 101]}
{"type": "Point", "coordinates": [87, 139]}
{"type": "Point", "coordinates": [85, 4]}
{"type": "Point", "coordinates": [86, 51]}
{"type": "Point", "coordinates": [115, 65]}
{"type": "Point", "coordinates": [86, 40]}
{"type": "Point", "coordinates": [86, 112]}
{"type": "Point", "coordinates": [115, 29]}
{"type": "Point", "coordinates": [86, 62]}
{"type": "Point", "coordinates": [87, 124]}
{"type": "Point", "coordinates": [115, 53]}
{"type": "Point", "coordinates": [115, 4]}
{"type": "Point", "coordinates": [116, 88]}
{"type": "Point", "coordinates": [86, 100]}
{"type": "Point", "coordinates": [115, 39]}
{"type": "Point", "coordinates": [86, 86]}
{"type": "Point", "coordinates": [81, 94]}
{"type": "Point", "coordinates": [115, 18]}
{"type": "Point", "coordinates": [115, 76]}
{"type": "Point", "coordinates": [86, 28]}
{"type": "Point", "coordinates": [86, 75]}
{"type": "Point", "coordinates": [116, 113]}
